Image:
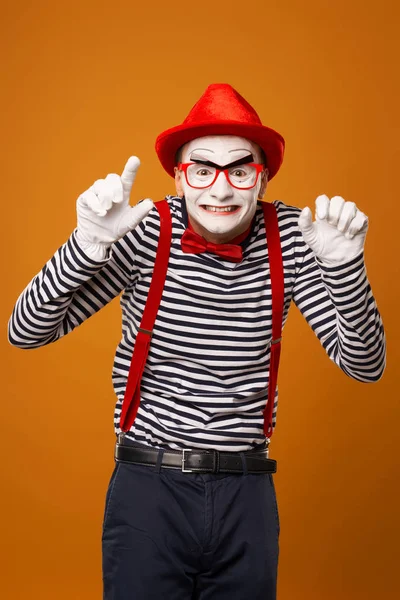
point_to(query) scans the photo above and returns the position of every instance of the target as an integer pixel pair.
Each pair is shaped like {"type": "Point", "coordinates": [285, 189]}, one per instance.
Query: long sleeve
{"type": "Point", "coordinates": [338, 304]}
{"type": "Point", "coordinates": [69, 289]}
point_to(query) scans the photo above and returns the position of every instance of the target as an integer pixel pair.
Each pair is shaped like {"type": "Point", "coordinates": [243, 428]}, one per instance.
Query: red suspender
{"type": "Point", "coordinates": [278, 295]}
{"type": "Point", "coordinates": [142, 344]}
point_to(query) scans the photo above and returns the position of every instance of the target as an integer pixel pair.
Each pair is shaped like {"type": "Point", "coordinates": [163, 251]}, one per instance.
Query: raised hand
{"type": "Point", "coordinates": [339, 232]}
{"type": "Point", "coordinates": [104, 213]}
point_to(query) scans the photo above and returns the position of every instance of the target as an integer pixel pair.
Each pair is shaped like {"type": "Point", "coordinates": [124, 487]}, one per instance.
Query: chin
{"type": "Point", "coordinates": [221, 230]}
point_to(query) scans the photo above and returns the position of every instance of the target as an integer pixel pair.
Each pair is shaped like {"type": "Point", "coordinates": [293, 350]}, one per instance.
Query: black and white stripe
{"type": "Point", "coordinates": [205, 380]}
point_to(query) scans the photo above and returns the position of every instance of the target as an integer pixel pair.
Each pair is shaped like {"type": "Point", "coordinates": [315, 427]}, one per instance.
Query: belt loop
{"type": "Point", "coordinates": [244, 464]}
{"type": "Point", "coordinates": [157, 468]}
{"type": "Point", "coordinates": [216, 463]}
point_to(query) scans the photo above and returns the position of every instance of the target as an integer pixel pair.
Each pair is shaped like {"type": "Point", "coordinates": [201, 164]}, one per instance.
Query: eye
{"type": "Point", "coordinates": [203, 172]}
{"type": "Point", "coordinates": [239, 173]}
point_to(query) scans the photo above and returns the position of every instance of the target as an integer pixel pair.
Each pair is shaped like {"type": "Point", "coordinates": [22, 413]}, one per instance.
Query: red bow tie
{"type": "Point", "coordinates": [193, 243]}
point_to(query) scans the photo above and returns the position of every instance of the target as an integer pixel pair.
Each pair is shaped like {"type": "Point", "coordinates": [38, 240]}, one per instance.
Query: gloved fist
{"type": "Point", "coordinates": [338, 234]}
{"type": "Point", "coordinates": [104, 213]}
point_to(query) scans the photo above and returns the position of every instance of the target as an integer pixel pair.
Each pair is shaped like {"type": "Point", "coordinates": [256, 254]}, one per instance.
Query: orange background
{"type": "Point", "coordinates": [87, 84]}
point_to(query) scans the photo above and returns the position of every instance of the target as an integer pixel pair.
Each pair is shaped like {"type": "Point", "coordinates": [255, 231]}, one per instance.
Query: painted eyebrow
{"type": "Point", "coordinates": [199, 157]}
{"type": "Point", "coordinates": [206, 149]}
{"type": "Point", "coordinates": [235, 163]}
{"type": "Point", "coordinates": [196, 156]}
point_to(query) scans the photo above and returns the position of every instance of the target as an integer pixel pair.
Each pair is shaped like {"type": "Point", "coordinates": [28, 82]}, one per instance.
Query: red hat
{"type": "Point", "coordinates": [221, 110]}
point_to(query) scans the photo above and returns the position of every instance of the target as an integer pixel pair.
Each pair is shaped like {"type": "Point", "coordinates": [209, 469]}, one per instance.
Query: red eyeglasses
{"type": "Point", "coordinates": [242, 177]}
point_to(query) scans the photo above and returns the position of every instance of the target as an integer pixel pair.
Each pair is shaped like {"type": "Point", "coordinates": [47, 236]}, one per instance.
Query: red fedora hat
{"type": "Point", "coordinates": [221, 110]}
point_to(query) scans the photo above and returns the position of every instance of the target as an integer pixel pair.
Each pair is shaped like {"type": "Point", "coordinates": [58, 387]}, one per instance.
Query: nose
{"type": "Point", "coordinates": [221, 188]}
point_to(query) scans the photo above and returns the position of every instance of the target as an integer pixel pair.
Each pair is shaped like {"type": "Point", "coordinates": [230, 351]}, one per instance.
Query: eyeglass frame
{"type": "Point", "coordinates": [184, 166]}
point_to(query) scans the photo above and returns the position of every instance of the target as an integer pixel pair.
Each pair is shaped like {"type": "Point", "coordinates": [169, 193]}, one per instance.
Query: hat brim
{"type": "Point", "coordinates": [272, 143]}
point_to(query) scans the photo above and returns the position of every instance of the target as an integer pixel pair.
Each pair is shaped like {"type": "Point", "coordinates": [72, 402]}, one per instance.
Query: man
{"type": "Point", "coordinates": [191, 509]}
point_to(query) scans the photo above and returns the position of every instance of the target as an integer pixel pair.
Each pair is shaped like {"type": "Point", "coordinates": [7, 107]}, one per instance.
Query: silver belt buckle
{"type": "Point", "coordinates": [120, 437]}
{"type": "Point", "coordinates": [183, 461]}
{"type": "Point", "coordinates": [268, 441]}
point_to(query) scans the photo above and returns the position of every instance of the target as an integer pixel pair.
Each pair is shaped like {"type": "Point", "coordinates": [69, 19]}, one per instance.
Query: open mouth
{"type": "Point", "coordinates": [222, 210]}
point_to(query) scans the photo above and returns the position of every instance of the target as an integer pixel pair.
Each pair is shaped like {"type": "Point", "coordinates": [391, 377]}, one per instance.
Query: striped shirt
{"type": "Point", "coordinates": [205, 383]}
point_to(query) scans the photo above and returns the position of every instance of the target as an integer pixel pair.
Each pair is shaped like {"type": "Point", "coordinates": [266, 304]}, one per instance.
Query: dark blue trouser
{"type": "Point", "coordinates": [169, 535]}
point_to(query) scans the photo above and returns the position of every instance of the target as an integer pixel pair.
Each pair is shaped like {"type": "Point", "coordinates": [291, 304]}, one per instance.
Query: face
{"type": "Point", "coordinates": [218, 226]}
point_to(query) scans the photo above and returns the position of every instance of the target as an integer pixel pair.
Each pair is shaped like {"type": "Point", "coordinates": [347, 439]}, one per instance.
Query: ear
{"type": "Point", "coordinates": [178, 183]}
{"type": "Point", "coordinates": [264, 182]}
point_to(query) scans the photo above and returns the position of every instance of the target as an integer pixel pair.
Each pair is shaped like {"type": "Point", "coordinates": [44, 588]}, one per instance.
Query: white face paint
{"type": "Point", "coordinates": [216, 226]}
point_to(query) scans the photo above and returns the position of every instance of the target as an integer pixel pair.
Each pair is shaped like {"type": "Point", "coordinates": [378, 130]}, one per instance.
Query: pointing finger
{"type": "Point", "coordinates": [129, 174]}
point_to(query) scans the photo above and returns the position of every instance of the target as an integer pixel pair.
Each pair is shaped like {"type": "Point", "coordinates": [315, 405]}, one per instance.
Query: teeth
{"type": "Point", "coordinates": [220, 209]}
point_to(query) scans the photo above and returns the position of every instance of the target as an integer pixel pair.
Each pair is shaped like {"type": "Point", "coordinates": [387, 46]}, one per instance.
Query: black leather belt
{"type": "Point", "coordinates": [197, 460]}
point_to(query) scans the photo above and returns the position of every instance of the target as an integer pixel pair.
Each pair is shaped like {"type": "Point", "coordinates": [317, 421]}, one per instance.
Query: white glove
{"type": "Point", "coordinates": [104, 213]}
{"type": "Point", "coordinates": [338, 234]}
